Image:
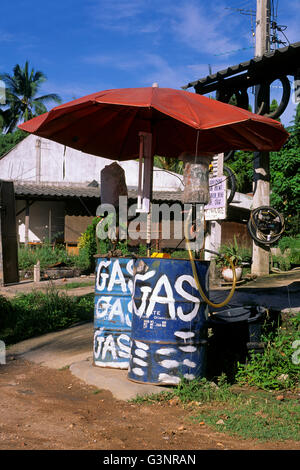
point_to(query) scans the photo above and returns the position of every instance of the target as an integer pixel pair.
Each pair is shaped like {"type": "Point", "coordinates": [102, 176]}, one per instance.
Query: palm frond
{"type": "Point", "coordinates": [49, 97]}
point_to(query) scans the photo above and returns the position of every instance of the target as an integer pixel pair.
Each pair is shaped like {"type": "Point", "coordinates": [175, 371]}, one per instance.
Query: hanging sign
{"type": "Point", "coordinates": [216, 209]}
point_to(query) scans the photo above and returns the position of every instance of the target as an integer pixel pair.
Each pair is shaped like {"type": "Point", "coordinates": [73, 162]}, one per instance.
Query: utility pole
{"type": "Point", "coordinates": [261, 163]}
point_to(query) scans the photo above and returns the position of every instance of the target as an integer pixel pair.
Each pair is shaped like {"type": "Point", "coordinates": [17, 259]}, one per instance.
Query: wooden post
{"type": "Point", "coordinates": [37, 272]}
{"type": "Point", "coordinates": [9, 272]}
{"type": "Point", "coordinates": [27, 223]}
{"type": "Point", "coordinates": [214, 235]}
{"type": "Point", "coordinates": [261, 163]}
{"type": "Point", "coordinates": [50, 225]}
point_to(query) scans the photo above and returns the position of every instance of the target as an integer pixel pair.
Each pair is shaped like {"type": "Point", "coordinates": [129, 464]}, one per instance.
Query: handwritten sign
{"type": "Point", "coordinates": [217, 207]}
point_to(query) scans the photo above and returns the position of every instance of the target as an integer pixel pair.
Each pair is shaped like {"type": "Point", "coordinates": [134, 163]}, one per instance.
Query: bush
{"type": "Point", "coordinates": [45, 253]}
{"type": "Point", "coordinates": [49, 255]}
{"type": "Point", "coordinates": [7, 314]}
{"type": "Point", "coordinates": [281, 262]}
{"type": "Point", "coordinates": [33, 314]}
{"type": "Point", "coordinates": [88, 244]}
{"type": "Point", "coordinates": [180, 254]}
{"type": "Point", "coordinates": [293, 245]}
{"type": "Point", "coordinates": [274, 369]}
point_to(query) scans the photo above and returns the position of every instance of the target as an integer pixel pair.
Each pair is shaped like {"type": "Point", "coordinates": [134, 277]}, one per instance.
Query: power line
{"type": "Point", "coordinates": [275, 27]}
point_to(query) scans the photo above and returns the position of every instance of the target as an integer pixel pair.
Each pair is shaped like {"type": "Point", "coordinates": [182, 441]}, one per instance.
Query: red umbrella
{"type": "Point", "coordinates": [108, 124]}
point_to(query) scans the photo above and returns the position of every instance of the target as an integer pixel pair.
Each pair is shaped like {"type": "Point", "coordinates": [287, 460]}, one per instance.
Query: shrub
{"type": "Point", "coordinates": [274, 369]}
{"type": "Point", "coordinates": [33, 314]}
{"type": "Point", "coordinates": [7, 314]}
{"type": "Point", "coordinates": [293, 245]}
{"type": "Point", "coordinates": [45, 253]}
{"type": "Point", "coordinates": [281, 262]}
{"type": "Point", "coordinates": [180, 254]}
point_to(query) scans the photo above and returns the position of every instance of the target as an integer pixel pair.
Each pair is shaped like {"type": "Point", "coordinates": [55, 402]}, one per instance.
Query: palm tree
{"type": "Point", "coordinates": [21, 100]}
{"type": "Point", "coordinates": [170, 164]}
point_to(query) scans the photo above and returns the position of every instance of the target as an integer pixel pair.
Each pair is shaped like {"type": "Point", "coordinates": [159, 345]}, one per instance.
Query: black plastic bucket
{"type": "Point", "coordinates": [236, 333]}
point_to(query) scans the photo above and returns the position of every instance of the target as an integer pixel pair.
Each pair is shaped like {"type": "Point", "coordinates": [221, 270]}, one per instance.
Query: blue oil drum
{"type": "Point", "coordinates": [113, 312]}
{"type": "Point", "coordinates": [169, 329]}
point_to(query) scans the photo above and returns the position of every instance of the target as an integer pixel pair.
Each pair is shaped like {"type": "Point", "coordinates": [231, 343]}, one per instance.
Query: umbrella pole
{"type": "Point", "coordinates": [141, 155]}
{"type": "Point", "coordinates": [148, 184]}
{"type": "Point", "coordinates": [145, 183]}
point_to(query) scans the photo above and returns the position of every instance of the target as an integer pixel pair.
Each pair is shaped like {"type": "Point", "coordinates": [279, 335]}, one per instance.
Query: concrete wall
{"type": "Point", "coordinates": [55, 163]}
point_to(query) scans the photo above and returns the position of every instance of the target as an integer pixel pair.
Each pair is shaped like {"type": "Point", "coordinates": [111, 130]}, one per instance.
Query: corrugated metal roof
{"type": "Point", "coordinates": [40, 190]}
{"type": "Point", "coordinates": [25, 190]}
{"type": "Point", "coordinates": [44, 192]}
{"type": "Point", "coordinates": [286, 60]}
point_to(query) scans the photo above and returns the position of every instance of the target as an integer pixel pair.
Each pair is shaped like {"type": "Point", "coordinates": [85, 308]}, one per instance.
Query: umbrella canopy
{"type": "Point", "coordinates": [108, 124]}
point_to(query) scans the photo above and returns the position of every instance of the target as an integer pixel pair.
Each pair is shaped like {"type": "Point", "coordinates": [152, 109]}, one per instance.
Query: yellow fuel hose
{"type": "Point", "coordinates": [228, 298]}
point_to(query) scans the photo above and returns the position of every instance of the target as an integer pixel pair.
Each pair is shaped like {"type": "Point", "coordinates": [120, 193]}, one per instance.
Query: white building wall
{"type": "Point", "coordinates": [63, 165]}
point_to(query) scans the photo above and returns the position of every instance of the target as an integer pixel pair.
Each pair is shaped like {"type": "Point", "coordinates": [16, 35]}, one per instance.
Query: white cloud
{"type": "Point", "coordinates": [115, 61]}
{"type": "Point", "coordinates": [160, 71]}
{"type": "Point", "coordinates": [6, 37]}
{"type": "Point", "coordinates": [117, 10]}
{"type": "Point", "coordinates": [147, 67]}
{"type": "Point", "coordinates": [203, 31]}
{"type": "Point", "coordinates": [68, 91]}
{"type": "Point", "coordinates": [125, 16]}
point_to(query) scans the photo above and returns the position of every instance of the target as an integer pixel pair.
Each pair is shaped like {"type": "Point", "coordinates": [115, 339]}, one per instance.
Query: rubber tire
{"type": "Point", "coordinates": [251, 229]}
{"type": "Point", "coordinates": [230, 174]}
{"type": "Point", "coordinates": [284, 99]}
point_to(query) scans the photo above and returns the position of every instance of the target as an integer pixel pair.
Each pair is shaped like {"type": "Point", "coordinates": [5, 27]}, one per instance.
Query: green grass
{"type": "Point", "coordinates": [249, 414]}
{"type": "Point", "coordinates": [75, 285]}
{"type": "Point", "coordinates": [256, 418]}
{"type": "Point", "coordinates": [29, 315]}
{"type": "Point", "coordinates": [197, 390]}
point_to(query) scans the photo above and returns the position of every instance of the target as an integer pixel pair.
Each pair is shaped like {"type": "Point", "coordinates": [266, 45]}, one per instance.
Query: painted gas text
{"type": "Point", "coordinates": [168, 330]}
{"type": "Point", "coordinates": [113, 312]}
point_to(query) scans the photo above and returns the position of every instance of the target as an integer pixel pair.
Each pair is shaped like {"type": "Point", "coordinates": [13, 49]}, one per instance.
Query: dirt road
{"type": "Point", "coordinates": [43, 408]}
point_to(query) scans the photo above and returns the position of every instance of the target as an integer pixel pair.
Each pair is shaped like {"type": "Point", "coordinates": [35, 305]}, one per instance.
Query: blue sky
{"type": "Point", "coordinates": [91, 45]}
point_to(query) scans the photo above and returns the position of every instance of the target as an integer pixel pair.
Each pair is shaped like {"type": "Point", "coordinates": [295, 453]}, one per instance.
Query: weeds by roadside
{"type": "Point", "coordinates": [29, 315]}
{"type": "Point", "coordinates": [275, 369]}
{"type": "Point", "coordinates": [49, 255]}
{"type": "Point", "coordinates": [75, 285]}
{"type": "Point", "coordinates": [256, 417]}
{"type": "Point", "coordinates": [247, 413]}
{"type": "Point", "coordinates": [194, 391]}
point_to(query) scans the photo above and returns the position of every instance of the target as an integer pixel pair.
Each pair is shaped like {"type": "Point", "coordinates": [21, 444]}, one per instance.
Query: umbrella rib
{"type": "Point", "coordinates": [246, 133]}
{"type": "Point", "coordinates": [126, 135]}
{"type": "Point", "coordinates": [69, 124]}
{"type": "Point", "coordinates": [90, 137]}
